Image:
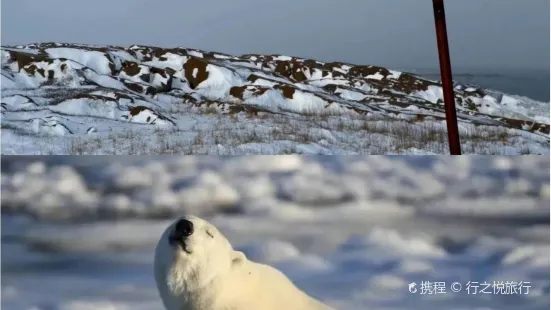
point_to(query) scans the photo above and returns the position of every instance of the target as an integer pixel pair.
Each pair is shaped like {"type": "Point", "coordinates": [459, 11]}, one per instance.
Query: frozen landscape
{"type": "Point", "coordinates": [60, 98]}
{"type": "Point", "coordinates": [78, 232]}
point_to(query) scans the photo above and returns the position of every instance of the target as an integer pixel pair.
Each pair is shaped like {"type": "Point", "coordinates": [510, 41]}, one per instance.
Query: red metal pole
{"type": "Point", "coordinates": [446, 73]}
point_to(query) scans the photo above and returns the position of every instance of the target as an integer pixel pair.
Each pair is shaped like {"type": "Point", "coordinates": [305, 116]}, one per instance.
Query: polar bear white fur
{"type": "Point", "coordinates": [208, 274]}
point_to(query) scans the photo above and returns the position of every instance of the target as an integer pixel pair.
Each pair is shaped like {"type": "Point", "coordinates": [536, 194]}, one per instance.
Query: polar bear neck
{"type": "Point", "coordinates": [196, 288]}
{"type": "Point", "coordinates": [185, 279]}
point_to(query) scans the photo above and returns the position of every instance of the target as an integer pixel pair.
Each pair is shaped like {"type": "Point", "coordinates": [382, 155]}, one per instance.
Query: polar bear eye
{"type": "Point", "coordinates": [210, 234]}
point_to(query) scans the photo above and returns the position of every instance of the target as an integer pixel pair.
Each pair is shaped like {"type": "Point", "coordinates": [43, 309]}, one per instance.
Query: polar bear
{"type": "Point", "coordinates": [196, 268]}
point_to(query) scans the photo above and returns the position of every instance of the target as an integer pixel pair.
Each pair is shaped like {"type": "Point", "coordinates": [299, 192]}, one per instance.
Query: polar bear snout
{"type": "Point", "coordinates": [182, 230]}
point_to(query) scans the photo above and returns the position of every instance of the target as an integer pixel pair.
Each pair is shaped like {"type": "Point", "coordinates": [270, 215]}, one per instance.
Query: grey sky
{"type": "Point", "coordinates": [395, 33]}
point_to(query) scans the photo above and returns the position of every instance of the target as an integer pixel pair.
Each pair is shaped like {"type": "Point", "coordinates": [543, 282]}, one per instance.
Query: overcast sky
{"type": "Point", "coordinates": [395, 33]}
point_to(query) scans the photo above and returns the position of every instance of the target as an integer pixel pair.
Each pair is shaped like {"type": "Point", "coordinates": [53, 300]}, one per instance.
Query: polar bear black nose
{"type": "Point", "coordinates": [184, 228]}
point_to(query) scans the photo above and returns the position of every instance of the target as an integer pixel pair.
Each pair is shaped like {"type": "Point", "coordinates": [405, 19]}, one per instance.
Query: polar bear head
{"type": "Point", "coordinates": [191, 255]}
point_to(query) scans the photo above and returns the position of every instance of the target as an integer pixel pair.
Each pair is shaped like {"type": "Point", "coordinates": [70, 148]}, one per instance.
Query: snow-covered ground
{"type": "Point", "coordinates": [79, 99]}
{"type": "Point", "coordinates": [78, 232]}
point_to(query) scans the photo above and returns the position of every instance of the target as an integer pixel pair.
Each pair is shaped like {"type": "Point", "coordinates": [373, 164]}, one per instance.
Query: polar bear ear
{"type": "Point", "coordinates": [238, 258]}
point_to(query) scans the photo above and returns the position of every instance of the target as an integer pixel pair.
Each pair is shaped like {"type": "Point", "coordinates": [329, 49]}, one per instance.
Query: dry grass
{"type": "Point", "coordinates": [242, 134]}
